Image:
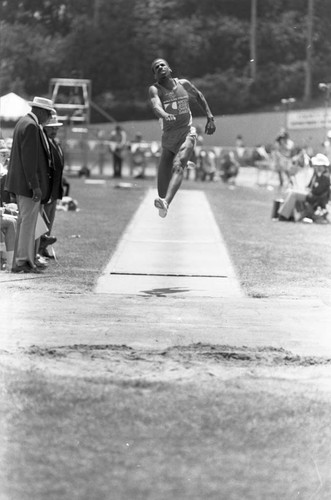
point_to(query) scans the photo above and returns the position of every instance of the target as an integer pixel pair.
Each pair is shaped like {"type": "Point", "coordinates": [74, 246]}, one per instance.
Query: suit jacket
{"type": "Point", "coordinates": [319, 185]}
{"type": "Point", "coordinates": [319, 188]}
{"type": "Point", "coordinates": [58, 166]}
{"type": "Point", "coordinates": [30, 162]}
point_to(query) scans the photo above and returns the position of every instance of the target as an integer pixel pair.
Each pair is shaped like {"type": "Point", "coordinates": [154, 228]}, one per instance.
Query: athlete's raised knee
{"type": "Point", "coordinates": [179, 166]}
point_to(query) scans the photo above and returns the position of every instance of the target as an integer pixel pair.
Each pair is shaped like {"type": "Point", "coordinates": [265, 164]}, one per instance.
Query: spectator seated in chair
{"type": "Point", "coordinates": [299, 205]}
{"type": "Point", "coordinates": [315, 207]}
{"type": "Point", "coordinates": [229, 168]}
{"type": "Point", "coordinates": [8, 226]}
{"type": "Point", "coordinates": [207, 164]}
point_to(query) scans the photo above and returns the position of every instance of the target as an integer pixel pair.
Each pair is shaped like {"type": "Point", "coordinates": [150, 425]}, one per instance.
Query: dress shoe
{"type": "Point", "coordinates": [46, 240]}
{"type": "Point", "coordinates": [25, 268]}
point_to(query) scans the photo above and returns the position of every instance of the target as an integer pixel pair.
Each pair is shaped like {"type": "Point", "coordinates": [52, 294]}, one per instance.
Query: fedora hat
{"type": "Point", "coordinates": [42, 102]}
{"type": "Point", "coordinates": [320, 160]}
{"type": "Point", "coordinates": [53, 122]}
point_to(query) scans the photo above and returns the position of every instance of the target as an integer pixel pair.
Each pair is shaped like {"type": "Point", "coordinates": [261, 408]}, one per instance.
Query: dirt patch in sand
{"type": "Point", "coordinates": [179, 364]}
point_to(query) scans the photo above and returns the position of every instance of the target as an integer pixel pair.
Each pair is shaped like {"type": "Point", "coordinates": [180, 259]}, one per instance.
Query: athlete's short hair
{"type": "Point", "coordinates": [156, 60]}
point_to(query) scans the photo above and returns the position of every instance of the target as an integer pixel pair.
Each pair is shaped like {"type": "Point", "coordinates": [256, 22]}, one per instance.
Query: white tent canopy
{"type": "Point", "coordinates": [12, 107]}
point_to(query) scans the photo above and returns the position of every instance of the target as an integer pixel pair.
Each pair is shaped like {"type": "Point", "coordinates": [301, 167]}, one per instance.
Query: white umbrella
{"type": "Point", "coordinates": [12, 107]}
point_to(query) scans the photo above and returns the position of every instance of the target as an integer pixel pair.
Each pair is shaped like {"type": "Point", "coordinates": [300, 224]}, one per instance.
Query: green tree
{"type": "Point", "coordinates": [113, 43]}
{"type": "Point", "coordinates": [27, 58]}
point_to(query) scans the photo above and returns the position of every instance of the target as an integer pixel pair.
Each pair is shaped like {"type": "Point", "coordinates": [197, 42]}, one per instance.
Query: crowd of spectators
{"type": "Point", "coordinates": [32, 184]}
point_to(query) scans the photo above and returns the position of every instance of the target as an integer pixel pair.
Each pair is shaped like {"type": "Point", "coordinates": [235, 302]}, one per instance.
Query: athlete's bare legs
{"type": "Point", "coordinates": [164, 173]}
{"type": "Point", "coordinates": [171, 174]}
{"type": "Point", "coordinates": [179, 165]}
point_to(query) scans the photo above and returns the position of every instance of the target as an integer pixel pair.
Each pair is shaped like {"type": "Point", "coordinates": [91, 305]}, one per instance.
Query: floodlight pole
{"type": "Point", "coordinates": [253, 54]}
{"type": "Point", "coordinates": [309, 50]}
{"type": "Point", "coordinates": [326, 87]}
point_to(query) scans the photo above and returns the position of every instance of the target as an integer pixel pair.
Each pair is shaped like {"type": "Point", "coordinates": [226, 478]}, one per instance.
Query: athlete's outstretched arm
{"type": "Point", "coordinates": [198, 96]}
{"type": "Point", "coordinates": [157, 105]}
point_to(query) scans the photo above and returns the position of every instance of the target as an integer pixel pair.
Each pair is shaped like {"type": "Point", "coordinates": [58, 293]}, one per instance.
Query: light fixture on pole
{"type": "Point", "coordinates": [287, 104]}
{"type": "Point", "coordinates": [326, 87]}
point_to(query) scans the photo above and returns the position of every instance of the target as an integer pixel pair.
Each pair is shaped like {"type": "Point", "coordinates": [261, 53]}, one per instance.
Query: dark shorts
{"type": "Point", "coordinates": [173, 140]}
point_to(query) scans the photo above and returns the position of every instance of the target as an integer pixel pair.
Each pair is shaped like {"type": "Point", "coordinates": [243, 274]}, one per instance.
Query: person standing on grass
{"type": "Point", "coordinates": [28, 178]}
{"type": "Point", "coordinates": [117, 145]}
{"type": "Point", "coordinates": [170, 99]}
{"type": "Point", "coordinates": [283, 151]}
{"type": "Point", "coordinates": [51, 129]}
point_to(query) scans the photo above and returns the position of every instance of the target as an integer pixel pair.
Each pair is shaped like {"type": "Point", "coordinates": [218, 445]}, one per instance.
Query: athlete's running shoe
{"type": "Point", "coordinates": [162, 205]}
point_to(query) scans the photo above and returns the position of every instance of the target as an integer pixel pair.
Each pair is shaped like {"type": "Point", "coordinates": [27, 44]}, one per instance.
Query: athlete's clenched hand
{"type": "Point", "coordinates": [210, 126]}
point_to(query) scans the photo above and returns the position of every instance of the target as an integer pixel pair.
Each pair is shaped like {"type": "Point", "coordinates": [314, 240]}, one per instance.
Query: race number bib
{"type": "Point", "coordinates": [179, 106]}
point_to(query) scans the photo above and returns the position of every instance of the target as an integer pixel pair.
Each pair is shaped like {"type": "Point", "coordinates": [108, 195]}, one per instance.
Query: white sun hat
{"type": "Point", "coordinates": [53, 121]}
{"type": "Point", "coordinates": [320, 160]}
{"type": "Point", "coordinates": [42, 102]}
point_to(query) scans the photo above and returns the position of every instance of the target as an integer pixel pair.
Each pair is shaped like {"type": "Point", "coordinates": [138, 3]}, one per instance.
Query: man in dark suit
{"type": "Point", "coordinates": [57, 155]}
{"type": "Point", "coordinates": [28, 178]}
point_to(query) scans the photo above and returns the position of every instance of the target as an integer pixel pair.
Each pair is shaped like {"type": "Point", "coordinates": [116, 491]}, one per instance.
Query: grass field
{"type": "Point", "coordinates": [195, 423]}
{"type": "Point", "coordinates": [271, 258]}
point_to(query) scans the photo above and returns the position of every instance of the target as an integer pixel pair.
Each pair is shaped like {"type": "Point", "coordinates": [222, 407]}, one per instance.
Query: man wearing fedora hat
{"type": "Point", "coordinates": [51, 128]}
{"type": "Point", "coordinates": [28, 178]}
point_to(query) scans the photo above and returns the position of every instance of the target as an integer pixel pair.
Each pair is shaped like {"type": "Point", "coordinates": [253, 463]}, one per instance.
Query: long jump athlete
{"type": "Point", "coordinates": [170, 98]}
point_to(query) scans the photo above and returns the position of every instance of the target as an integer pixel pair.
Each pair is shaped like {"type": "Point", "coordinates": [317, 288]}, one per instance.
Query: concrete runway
{"type": "Point", "coordinates": [183, 254]}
